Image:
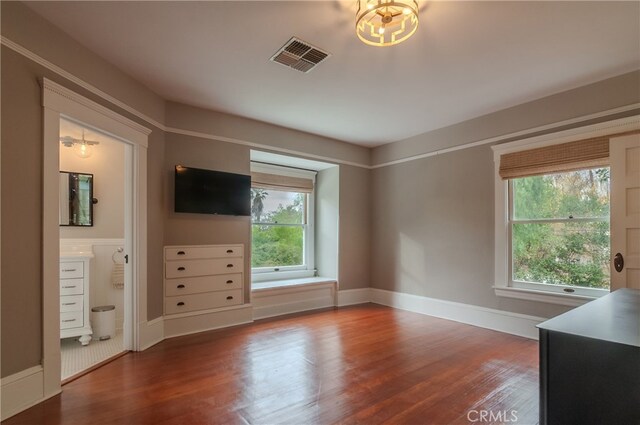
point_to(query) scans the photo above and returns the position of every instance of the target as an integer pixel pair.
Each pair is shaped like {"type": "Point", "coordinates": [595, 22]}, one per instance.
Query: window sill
{"type": "Point", "coordinates": [542, 296]}
{"type": "Point", "coordinates": [272, 276]}
{"type": "Point", "coordinates": [289, 283]}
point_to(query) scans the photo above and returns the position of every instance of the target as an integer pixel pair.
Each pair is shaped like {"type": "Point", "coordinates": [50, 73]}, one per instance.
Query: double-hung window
{"type": "Point", "coordinates": [552, 221]}
{"type": "Point", "coordinates": [559, 232]}
{"type": "Point", "coordinates": [282, 216]}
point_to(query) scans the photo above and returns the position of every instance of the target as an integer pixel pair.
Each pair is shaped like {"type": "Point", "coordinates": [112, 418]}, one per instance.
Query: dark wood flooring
{"type": "Point", "coordinates": [365, 364]}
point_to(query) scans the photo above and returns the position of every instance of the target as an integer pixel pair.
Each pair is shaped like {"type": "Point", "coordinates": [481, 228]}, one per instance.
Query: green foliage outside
{"type": "Point", "coordinates": [571, 253]}
{"type": "Point", "coordinates": [272, 244]}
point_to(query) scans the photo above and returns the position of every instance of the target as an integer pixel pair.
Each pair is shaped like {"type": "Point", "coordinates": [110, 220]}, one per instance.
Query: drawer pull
{"type": "Point", "coordinates": [229, 265]}
{"type": "Point", "coordinates": [229, 251]}
{"type": "Point", "coordinates": [69, 270]}
{"type": "Point", "coordinates": [230, 297]}
{"type": "Point", "coordinates": [180, 286]}
{"type": "Point", "coordinates": [181, 252]}
{"type": "Point", "coordinates": [69, 320]}
{"type": "Point", "coordinates": [69, 287]}
{"type": "Point", "coordinates": [180, 303]}
{"type": "Point", "coordinates": [181, 268]}
{"type": "Point", "coordinates": [69, 303]}
{"type": "Point", "coordinates": [229, 281]}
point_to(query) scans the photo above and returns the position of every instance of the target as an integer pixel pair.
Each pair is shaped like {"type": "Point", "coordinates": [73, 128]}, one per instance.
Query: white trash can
{"type": "Point", "coordinates": [103, 321]}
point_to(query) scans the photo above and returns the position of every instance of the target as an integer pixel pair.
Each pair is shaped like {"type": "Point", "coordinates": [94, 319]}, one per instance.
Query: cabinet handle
{"type": "Point", "coordinates": [181, 268]}
{"type": "Point", "coordinates": [180, 303]}
{"type": "Point", "coordinates": [69, 270]}
{"type": "Point", "coordinates": [229, 265]}
{"type": "Point", "coordinates": [180, 252]}
{"type": "Point", "coordinates": [68, 287]}
{"type": "Point", "coordinates": [180, 286]}
{"type": "Point", "coordinates": [69, 303]}
{"type": "Point", "coordinates": [229, 281]}
{"type": "Point", "coordinates": [69, 320]}
{"type": "Point", "coordinates": [229, 251]}
{"type": "Point", "coordinates": [230, 297]}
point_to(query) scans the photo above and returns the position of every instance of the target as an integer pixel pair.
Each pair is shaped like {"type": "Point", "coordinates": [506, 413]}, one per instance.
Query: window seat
{"type": "Point", "coordinates": [288, 283]}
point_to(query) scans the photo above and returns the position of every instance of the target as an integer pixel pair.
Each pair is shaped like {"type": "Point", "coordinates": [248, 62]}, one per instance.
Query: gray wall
{"type": "Point", "coordinates": [432, 223]}
{"type": "Point", "coordinates": [432, 218]}
{"type": "Point", "coordinates": [203, 229]}
{"type": "Point", "coordinates": [355, 227]}
{"type": "Point", "coordinates": [22, 157]}
{"type": "Point", "coordinates": [327, 193]}
{"type": "Point", "coordinates": [594, 98]}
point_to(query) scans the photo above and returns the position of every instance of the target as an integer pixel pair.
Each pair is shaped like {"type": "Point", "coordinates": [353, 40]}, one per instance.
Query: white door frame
{"type": "Point", "coordinates": [57, 102]}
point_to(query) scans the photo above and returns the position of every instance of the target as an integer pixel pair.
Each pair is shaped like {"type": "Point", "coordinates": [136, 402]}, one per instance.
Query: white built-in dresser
{"type": "Point", "coordinates": [74, 296]}
{"type": "Point", "coordinates": [202, 277]}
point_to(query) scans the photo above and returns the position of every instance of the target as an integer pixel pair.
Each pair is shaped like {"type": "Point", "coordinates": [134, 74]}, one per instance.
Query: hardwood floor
{"type": "Point", "coordinates": [366, 364]}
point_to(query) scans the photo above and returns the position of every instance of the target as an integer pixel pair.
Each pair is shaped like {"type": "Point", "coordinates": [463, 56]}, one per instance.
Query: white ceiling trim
{"type": "Point", "coordinates": [69, 76]}
{"type": "Point", "coordinates": [262, 146]}
{"type": "Point", "coordinates": [76, 80]}
{"type": "Point", "coordinates": [523, 133]}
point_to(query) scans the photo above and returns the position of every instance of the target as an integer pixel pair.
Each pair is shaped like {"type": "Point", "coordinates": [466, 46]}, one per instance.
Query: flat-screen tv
{"type": "Point", "coordinates": [211, 192]}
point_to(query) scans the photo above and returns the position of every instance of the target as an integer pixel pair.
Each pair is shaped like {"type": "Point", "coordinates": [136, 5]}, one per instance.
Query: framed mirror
{"type": "Point", "coordinates": [76, 199]}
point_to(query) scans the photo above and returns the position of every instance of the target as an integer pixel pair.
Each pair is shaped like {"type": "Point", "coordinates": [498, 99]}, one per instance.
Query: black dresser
{"type": "Point", "coordinates": [590, 363]}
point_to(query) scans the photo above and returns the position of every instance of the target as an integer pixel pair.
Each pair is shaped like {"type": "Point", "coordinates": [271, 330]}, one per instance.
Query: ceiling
{"type": "Point", "coordinates": [467, 58]}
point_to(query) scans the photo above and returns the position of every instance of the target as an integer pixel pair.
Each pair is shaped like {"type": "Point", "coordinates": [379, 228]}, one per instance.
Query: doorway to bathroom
{"type": "Point", "coordinates": [94, 210]}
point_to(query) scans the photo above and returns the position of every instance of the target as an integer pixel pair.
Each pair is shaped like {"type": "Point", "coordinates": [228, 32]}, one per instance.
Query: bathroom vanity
{"type": "Point", "coordinates": [74, 293]}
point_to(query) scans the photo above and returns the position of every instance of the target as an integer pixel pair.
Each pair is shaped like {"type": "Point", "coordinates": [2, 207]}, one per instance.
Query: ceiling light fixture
{"type": "Point", "coordinates": [82, 147]}
{"type": "Point", "coordinates": [386, 22]}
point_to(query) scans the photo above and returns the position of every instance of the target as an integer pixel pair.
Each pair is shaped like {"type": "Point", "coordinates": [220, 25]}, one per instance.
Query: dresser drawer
{"type": "Point", "coordinates": [71, 303]}
{"type": "Point", "coordinates": [71, 270]}
{"type": "Point", "coordinates": [196, 253]}
{"type": "Point", "coordinates": [72, 319]}
{"type": "Point", "coordinates": [71, 287]}
{"type": "Point", "coordinates": [196, 285]}
{"type": "Point", "coordinates": [189, 268]}
{"type": "Point", "coordinates": [184, 303]}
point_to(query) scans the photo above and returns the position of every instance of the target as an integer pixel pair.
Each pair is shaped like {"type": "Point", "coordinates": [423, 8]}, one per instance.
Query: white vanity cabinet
{"type": "Point", "coordinates": [74, 297]}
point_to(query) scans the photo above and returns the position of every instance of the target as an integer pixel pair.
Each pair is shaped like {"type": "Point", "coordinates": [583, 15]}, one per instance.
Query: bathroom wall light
{"type": "Point", "coordinates": [82, 147]}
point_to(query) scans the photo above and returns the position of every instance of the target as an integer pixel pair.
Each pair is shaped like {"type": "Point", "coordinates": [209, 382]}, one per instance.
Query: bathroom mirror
{"type": "Point", "coordinates": [76, 199]}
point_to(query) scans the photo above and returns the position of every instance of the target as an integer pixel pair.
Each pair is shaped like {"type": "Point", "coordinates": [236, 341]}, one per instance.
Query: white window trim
{"type": "Point", "coordinates": [502, 242]}
{"type": "Point", "coordinates": [264, 274]}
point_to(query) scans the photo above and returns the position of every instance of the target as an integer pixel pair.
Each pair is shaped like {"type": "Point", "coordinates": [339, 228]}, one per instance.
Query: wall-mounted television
{"type": "Point", "coordinates": [211, 192]}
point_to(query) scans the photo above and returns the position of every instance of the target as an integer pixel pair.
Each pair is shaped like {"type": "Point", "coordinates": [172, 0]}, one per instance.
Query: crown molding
{"type": "Point", "coordinates": [492, 140]}
{"type": "Point", "coordinates": [516, 134]}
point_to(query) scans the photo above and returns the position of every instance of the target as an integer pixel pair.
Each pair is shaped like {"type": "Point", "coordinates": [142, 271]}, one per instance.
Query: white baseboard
{"type": "Point", "coordinates": [151, 333]}
{"type": "Point", "coordinates": [191, 323]}
{"type": "Point", "coordinates": [354, 296]}
{"type": "Point", "coordinates": [292, 299]}
{"type": "Point", "coordinates": [21, 391]}
{"type": "Point", "coordinates": [498, 320]}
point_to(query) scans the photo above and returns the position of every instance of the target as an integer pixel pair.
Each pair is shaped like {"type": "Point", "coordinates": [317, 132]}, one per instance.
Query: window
{"type": "Point", "coordinates": [552, 226]}
{"type": "Point", "coordinates": [281, 223]}
{"type": "Point", "coordinates": [559, 232]}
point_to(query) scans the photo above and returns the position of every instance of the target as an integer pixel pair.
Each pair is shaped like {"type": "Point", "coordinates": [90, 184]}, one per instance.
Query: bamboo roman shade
{"type": "Point", "coordinates": [278, 182]}
{"type": "Point", "coordinates": [590, 153]}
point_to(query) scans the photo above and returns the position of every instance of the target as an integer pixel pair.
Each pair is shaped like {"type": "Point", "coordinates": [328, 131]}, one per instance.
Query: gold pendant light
{"type": "Point", "coordinates": [386, 22]}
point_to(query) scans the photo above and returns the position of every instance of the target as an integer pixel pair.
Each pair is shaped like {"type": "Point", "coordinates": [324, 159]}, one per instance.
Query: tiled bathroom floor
{"type": "Point", "coordinates": [76, 358]}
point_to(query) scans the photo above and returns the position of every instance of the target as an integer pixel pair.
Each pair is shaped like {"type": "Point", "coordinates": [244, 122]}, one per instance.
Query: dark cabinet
{"type": "Point", "coordinates": [590, 363]}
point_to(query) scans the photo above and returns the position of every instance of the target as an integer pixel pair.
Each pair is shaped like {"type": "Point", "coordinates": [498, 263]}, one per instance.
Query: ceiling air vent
{"type": "Point", "coordinates": [299, 55]}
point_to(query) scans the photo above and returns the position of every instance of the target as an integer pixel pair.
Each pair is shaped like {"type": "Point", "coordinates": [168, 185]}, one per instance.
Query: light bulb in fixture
{"type": "Point", "coordinates": [83, 150]}
{"type": "Point", "coordinates": [406, 11]}
{"type": "Point", "coordinates": [381, 30]}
